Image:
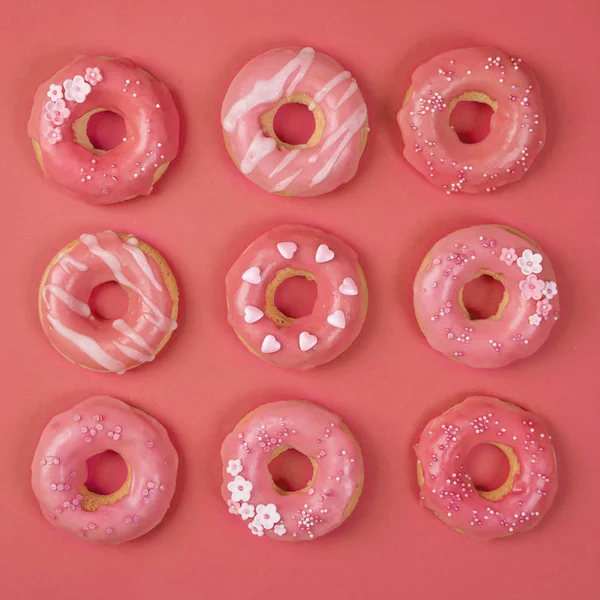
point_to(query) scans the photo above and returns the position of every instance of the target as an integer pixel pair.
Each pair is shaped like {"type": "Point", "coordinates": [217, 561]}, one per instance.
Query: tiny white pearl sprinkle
{"type": "Point", "coordinates": [158, 106]}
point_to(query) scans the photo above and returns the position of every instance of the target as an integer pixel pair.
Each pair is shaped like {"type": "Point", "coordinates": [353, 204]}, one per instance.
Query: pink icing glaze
{"type": "Point", "coordinates": [517, 128]}
{"type": "Point", "coordinates": [248, 487]}
{"type": "Point", "coordinates": [298, 171]}
{"type": "Point", "coordinates": [447, 489]}
{"type": "Point", "coordinates": [528, 278]}
{"type": "Point", "coordinates": [146, 105]}
{"type": "Point", "coordinates": [339, 310]}
{"type": "Point", "coordinates": [59, 470]}
{"type": "Point", "coordinates": [96, 343]}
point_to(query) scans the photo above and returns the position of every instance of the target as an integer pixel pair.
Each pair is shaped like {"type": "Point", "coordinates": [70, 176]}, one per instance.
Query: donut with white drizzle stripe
{"type": "Point", "coordinates": [298, 75]}
{"type": "Point", "coordinates": [98, 344]}
{"type": "Point", "coordinates": [339, 311]}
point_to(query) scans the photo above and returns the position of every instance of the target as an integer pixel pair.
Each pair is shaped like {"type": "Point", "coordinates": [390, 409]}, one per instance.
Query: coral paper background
{"type": "Point", "coordinates": [386, 386]}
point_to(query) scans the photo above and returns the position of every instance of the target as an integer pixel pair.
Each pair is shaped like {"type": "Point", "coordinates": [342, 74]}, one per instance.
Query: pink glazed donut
{"type": "Point", "coordinates": [446, 488]}
{"type": "Point", "coordinates": [517, 128]}
{"type": "Point", "coordinates": [339, 311]}
{"type": "Point", "coordinates": [300, 75]}
{"type": "Point", "coordinates": [62, 108]}
{"type": "Point", "coordinates": [526, 313]}
{"type": "Point", "coordinates": [95, 343]}
{"type": "Point", "coordinates": [329, 497]}
{"type": "Point", "coordinates": [59, 471]}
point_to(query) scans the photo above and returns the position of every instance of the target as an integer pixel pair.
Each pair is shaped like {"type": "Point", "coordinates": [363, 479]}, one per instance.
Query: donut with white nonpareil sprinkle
{"type": "Point", "coordinates": [324, 503]}
{"type": "Point", "coordinates": [447, 489]}
{"type": "Point", "coordinates": [58, 124]}
{"type": "Point", "coordinates": [339, 311]}
{"type": "Point", "coordinates": [517, 127]}
{"type": "Point", "coordinates": [528, 310]}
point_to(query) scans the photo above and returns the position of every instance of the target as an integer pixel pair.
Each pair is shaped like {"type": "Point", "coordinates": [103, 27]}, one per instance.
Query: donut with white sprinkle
{"type": "Point", "coordinates": [517, 127]}
{"type": "Point", "coordinates": [59, 471]}
{"type": "Point", "coordinates": [526, 314]}
{"type": "Point", "coordinates": [328, 498]}
{"type": "Point", "coordinates": [339, 311]}
{"type": "Point", "coordinates": [58, 124]}
{"type": "Point", "coordinates": [447, 489]}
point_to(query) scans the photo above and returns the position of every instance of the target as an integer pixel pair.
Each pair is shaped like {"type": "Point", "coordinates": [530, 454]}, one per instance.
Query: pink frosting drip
{"type": "Point", "coordinates": [248, 486]}
{"type": "Point", "coordinates": [258, 87]}
{"type": "Point", "coordinates": [447, 489]}
{"type": "Point", "coordinates": [94, 426]}
{"type": "Point", "coordinates": [517, 128]}
{"type": "Point", "coordinates": [317, 338]}
{"type": "Point", "coordinates": [152, 137]}
{"type": "Point", "coordinates": [95, 343]}
{"type": "Point", "coordinates": [527, 318]}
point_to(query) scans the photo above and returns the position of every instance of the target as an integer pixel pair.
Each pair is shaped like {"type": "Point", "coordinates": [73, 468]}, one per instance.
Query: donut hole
{"type": "Point", "coordinates": [471, 116]}
{"type": "Point", "coordinates": [295, 297]}
{"type": "Point", "coordinates": [106, 130]}
{"type": "Point", "coordinates": [291, 471]}
{"type": "Point", "coordinates": [107, 473]}
{"type": "Point", "coordinates": [488, 466]}
{"type": "Point", "coordinates": [108, 301]}
{"type": "Point", "coordinates": [484, 297]}
{"type": "Point", "coordinates": [294, 124]}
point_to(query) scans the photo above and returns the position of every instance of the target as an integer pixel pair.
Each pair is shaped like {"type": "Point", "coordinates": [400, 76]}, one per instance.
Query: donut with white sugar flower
{"type": "Point", "coordinates": [517, 127]}
{"type": "Point", "coordinates": [62, 108]}
{"type": "Point", "coordinates": [339, 311]}
{"type": "Point", "coordinates": [98, 344]}
{"type": "Point", "coordinates": [328, 498]}
{"type": "Point", "coordinates": [298, 75]}
{"type": "Point", "coordinates": [528, 310]}
{"type": "Point", "coordinates": [446, 488]}
{"type": "Point", "coordinates": [59, 471]}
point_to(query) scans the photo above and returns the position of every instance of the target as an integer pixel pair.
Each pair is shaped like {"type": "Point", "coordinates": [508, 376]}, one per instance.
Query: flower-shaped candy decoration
{"type": "Point", "coordinates": [76, 89]}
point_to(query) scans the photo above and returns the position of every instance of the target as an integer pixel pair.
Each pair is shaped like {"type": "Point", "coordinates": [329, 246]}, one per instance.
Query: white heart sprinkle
{"type": "Point", "coordinates": [253, 314]}
{"type": "Point", "coordinates": [287, 249]}
{"type": "Point", "coordinates": [270, 345]}
{"type": "Point", "coordinates": [252, 275]}
{"type": "Point", "coordinates": [337, 319]}
{"type": "Point", "coordinates": [307, 341]}
{"type": "Point", "coordinates": [348, 287]}
{"type": "Point", "coordinates": [324, 254]}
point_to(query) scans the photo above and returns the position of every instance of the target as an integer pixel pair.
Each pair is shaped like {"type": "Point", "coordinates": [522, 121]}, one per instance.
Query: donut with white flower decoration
{"type": "Point", "coordinates": [57, 127]}
{"type": "Point", "coordinates": [298, 75]}
{"type": "Point", "coordinates": [324, 503]}
{"type": "Point", "coordinates": [339, 311]}
{"type": "Point", "coordinates": [517, 127]}
{"type": "Point", "coordinates": [59, 471]}
{"type": "Point", "coordinates": [446, 488]}
{"type": "Point", "coordinates": [112, 346]}
{"type": "Point", "coordinates": [525, 316]}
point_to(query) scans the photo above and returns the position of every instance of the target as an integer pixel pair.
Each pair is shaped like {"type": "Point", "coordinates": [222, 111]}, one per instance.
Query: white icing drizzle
{"type": "Point", "coordinates": [260, 147]}
{"type": "Point", "coordinates": [332, 83]}
{"type": "Point", "coordinates": [285, 161]}
{"type": "Point", "coordinates": [66, 261]}
{"type": "Point", "coordinates": [88, 346]}
{"type": "Point", "coordinates": [121, 326]}
{"type": "Point", "coordinates": [77, 306]}
{"type": "Point", "coordinates": [282, 185]}
{"type": "Point", "coordinates": [270, 90]}
{"type": "Point", "coordinates": [133, 354]}
{"type": "Point", "coordinates": [144, 265]}
{"type": "Point", "coordinates": [347, 94]}
{"type": "Point", "coordinates": [348, 129]}
{"type": "Point", "coordinates": [159, 319]}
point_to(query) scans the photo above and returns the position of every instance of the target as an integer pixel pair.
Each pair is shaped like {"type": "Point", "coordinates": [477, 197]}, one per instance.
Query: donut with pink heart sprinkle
{"type": "Point", "coordinates": [528, 310]}
{"type": "Point", "coordinates": [339, 311]}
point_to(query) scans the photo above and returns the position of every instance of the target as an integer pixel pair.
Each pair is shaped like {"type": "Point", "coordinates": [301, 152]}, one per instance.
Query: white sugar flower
{"type": "Point", "coordinates": [246, 511]}
{"type": "Point", "coordinates": [256, 529]}
{"type": "Point", "coordinates": [550, 290]}
{"type": "Point", "coordinates": [529, 262]}
{"type": "Point", "coordinates": [535, 320]}
{"type": "Point", "coordinates": [267, 515]}
{"type": "Point", "coordinates": [55, 92]}
{"type": "Point", "coordinates": [240, 489]}
{"type": "Point", "coordinates": [234, 467]}
{"type": "Point", "coordinates": [279, 529]}
{"type": "Point", "coordinates": [76, 89]}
